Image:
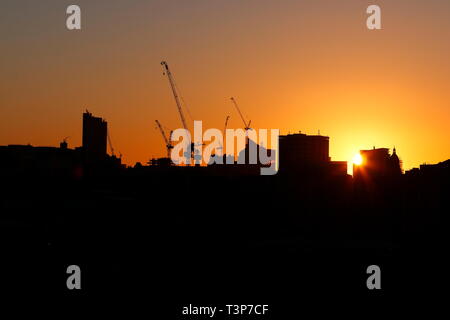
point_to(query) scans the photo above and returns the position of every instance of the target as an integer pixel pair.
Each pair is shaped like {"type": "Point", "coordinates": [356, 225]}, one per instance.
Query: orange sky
{"type": "Point", "coordinates": [293, 65]}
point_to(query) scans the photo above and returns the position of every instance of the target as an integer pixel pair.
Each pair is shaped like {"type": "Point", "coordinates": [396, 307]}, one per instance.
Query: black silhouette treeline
{"type": "Point", "coordinates": [218, 226]}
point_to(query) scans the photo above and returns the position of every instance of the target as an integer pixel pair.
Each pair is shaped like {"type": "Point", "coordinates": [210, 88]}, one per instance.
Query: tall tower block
{"type": "Point", "coordinates": [95, 133]}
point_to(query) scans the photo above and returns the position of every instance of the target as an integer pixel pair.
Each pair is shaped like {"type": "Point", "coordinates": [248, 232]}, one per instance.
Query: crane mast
{"type": "Point", "coordinates": [226, 123]}
{"type": "Point", "coordinates": [174, 91]}
{"type": "Point", "coordinates": [224, 130]}
{"type": "Point", "coordinates": [110, 145]}
{"type": "Point", "coordinates": [166, 140]}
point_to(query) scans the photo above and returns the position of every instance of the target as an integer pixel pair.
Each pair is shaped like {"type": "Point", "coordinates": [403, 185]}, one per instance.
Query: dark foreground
{"type": "Point", "coordinates": [171, 238]}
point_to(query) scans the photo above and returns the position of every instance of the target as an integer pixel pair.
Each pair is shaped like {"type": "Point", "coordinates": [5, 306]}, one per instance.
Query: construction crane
{"type": "Point", "coordinates": [224, 131]}
{"type": "Point", "coordinates": [174, 91]}
{"type": "Point", "coordinates": [246, 125]}
{"type": "Point", "coordinates": [110, 145]}
{"type": "Point", "coordinates": [169, 146]}
{"type": "Point", "coordinates": [226, 123]}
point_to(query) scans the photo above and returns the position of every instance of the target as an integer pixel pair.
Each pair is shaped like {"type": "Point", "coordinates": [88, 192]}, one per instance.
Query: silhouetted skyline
{"type": "Point", "coordinates": [293, 65]}
{"type": "Point", "coordinates": [323, 189]}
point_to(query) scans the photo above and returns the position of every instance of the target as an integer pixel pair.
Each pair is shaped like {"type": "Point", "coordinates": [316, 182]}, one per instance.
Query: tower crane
{"type": "Point", "coordinates": [177, 97]}
{"type": "Point", "coordinates": [226, 123]}
{"type": "Point", "coordinates": [224, 130]}
{"type": "Point", "coordinates": [246, 125]}
{"type": "Point", "coordinates": [169, 146]}
{"type": "Point", "coordinates": [174, 91]}
{"type": "Point", "coordinates": [110, 145]}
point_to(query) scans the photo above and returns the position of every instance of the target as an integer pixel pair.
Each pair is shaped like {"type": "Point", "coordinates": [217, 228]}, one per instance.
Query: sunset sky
{"type": "Point", "coordinates": [295, 65]}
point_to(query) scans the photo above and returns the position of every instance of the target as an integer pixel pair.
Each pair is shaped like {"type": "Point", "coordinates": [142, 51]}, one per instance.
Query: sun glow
{"type": "Point", "coordinates": [357, 159]}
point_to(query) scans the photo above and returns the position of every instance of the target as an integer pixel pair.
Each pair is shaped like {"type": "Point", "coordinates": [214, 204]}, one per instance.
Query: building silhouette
{"type": "Point", "coordinates": [378, 164]}
{"type": "Point", "coordinates": [91, 158]}
{"type": "Point", "coordinates": [95, 133]}
{"type": "Point", "coordinates": [301, 149]}
{"type": "Point", "coordinates": [430, 173]}
{"type": "Point", "coordinates": [308, 155]}
{"type": "Point", "coordinates": [39, 161]}
{"type": "Point", "coordinates": [377, 180]}
{"type": "Point", "coordinates": [217, 208]}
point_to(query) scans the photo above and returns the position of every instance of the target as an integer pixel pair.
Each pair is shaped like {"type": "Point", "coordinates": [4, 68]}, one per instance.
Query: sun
{"type": "Point", "coordinates": [357, 159]}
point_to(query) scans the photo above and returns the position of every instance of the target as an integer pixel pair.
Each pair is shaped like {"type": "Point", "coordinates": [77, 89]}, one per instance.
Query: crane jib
{"type": "Point", "coordinates": [175, 94]}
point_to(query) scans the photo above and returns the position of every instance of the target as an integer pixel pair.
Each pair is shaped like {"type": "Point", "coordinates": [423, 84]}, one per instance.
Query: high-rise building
{"type": "Point", "coordinates": [95, 133]}
{"type": "Point", "coordinates": [299, 151]}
